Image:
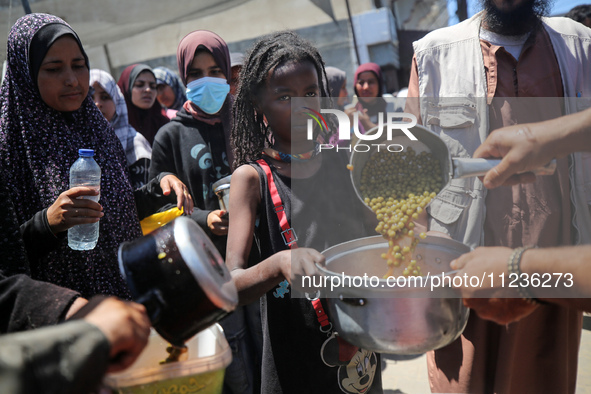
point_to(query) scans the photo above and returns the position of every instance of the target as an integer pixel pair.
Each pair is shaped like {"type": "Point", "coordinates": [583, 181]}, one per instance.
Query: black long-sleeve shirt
{"type": "Point", "coordinates": [26, 303]}
{"type": "Point", "coordinates": [195, 152]}
{"type": "Point", "coordinates": [67, 359]}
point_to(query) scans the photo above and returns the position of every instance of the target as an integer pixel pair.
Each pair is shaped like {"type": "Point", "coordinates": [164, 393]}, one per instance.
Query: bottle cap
{"type": "Point", "coordinates": [86, 152]}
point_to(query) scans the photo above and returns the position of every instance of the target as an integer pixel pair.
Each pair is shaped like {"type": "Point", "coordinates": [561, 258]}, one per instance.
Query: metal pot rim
{"type": "Point", "coordinates": [377, 241]}
{"type": "Point", "coordinates": [224, 181]}
{"type": "Point", "coordinates": [194, 248]}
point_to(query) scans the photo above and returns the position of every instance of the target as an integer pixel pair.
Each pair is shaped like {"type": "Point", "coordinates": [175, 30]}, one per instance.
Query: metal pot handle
{"type": "Point", "coordinates": [471, 167]}
{"type": "Point", "coordinates": [154, 303]}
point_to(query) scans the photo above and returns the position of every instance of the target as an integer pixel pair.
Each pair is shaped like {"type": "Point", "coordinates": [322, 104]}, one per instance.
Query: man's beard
{"type": "Point", "coordinates": [518, 21]}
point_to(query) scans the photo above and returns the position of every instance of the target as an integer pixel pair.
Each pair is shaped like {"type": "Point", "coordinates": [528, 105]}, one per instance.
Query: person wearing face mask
{"type": "Point", "coordinates": [195, 147]}
{"type": "Point", "coordinates": [139, 87]}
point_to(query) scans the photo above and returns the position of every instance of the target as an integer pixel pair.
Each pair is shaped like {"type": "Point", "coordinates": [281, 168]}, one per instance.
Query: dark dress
{"type": "Point", "coordinates": [324, 211]}
{"type": "Point", "coordinates": [24, 303]}
{"type": "Point", "coordinates": [69, 358]}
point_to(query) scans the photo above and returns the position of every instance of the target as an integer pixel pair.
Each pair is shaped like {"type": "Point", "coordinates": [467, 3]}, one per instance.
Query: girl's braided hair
{"type": "Point", "coordinates": [249, 133]}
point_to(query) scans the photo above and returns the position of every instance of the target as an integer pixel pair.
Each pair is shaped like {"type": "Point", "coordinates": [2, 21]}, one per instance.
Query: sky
{"type": "Point", "coordinates": [559, 7]}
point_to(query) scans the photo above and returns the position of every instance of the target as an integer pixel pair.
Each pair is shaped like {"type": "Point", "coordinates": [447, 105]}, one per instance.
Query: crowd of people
{"type": "Point", "coordinates": [163, 138]}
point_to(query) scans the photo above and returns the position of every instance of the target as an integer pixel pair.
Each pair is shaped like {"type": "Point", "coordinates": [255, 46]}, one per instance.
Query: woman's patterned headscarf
{"type": "Point", "coordinates": [168, 77]}
{"type": "Point", "coordinates": [134, 144]}
{"type": "Point", "coordinates": [37, 147]}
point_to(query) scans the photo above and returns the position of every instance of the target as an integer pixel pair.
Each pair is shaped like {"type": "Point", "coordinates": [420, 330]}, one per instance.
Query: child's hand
{"type": "Point", "coordinates": [300, 262]}
{"type": "Point", "coordinates": [217, 223]}
{"type": "Point", "coordinates": [183, 197]}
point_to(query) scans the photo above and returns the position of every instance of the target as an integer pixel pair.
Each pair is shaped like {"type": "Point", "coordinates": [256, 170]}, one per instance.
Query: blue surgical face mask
{"type": "Point", "coordinates": [208, 93]}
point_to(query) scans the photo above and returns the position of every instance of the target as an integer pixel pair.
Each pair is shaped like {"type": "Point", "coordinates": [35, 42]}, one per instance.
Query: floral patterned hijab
{"type": "Point", "coordinates": [38, 144]}
{"type": "Point", "coordinates": [165, 76]}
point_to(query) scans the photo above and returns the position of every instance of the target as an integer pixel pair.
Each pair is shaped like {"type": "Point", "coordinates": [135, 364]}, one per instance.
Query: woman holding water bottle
{"type": "Point", "coordinates": [46, 116]}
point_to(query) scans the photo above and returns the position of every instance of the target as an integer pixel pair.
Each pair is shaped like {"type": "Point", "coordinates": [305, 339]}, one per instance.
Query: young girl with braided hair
{"type": "Point", "coordinates": [276, 161]}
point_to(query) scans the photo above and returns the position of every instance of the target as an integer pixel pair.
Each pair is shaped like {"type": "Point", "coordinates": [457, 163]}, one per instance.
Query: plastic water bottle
{"type": "Point", "coordinates": [85, 172]}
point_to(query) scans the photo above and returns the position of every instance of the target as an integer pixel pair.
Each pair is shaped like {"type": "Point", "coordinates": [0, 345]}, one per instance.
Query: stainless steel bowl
{"type": "Point", "coordinates": [427, 141]}
{"type": "Point", "coordinates": [222, 189]}
{"type": "Point", "coordinates": [410, 320]}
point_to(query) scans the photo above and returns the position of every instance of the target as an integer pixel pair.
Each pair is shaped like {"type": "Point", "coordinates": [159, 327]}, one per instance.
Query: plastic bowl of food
{"type": "Point", "coordinates": [208, 355]}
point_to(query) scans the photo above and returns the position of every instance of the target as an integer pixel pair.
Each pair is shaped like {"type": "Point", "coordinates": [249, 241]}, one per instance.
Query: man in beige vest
{"type": "Point", "coordinates": [487, 65]}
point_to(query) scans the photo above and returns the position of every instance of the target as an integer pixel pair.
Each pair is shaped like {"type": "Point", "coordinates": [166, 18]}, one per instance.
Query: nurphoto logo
{"type": "Point", "coordinates": [392, 121]}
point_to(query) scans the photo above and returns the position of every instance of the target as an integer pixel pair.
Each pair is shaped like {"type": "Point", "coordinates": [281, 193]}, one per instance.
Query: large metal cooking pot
{"type": "Point", "coordinates": [385, 319]}
{"type": "Point", "coordinates": [179, 276]}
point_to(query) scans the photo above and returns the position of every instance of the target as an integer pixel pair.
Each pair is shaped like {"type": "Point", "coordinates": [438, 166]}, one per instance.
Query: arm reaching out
{"type": "Point", "coordinates": [496, 300]}
{"type": "Point", "coordinates": [253, 282]}
{"type": "Point", "coordinates": [532, 145]}
{"type": "Point", "coordinates": [184, 200]}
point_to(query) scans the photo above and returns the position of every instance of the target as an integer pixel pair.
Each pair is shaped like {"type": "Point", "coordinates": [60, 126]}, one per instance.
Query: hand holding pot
{"type": "Point", "coordinates": [494, 300]}
{"type": "Point", "coordinates": [126, 326]}
{"type": "Point", "coordinates": [521, 151]}
{"type": "Point", "coordinates": [218, 222]}
{"type": "Point", "coordinates": [299, 262]}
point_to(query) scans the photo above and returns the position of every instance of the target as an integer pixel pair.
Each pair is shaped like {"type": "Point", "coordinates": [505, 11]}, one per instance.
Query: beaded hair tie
{"type": "Point", "coordinates": [287, 158]}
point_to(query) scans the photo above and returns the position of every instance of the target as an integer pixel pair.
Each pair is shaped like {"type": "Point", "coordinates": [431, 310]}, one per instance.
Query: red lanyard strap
{"type": "Point", "coordinates": [346, 351]}
{"type": "Point", "coordinates": [289, 236]}
{"type": "Point", "coordinates": [325, 325]}
{"type": "Point", "coordinates": [290, 239]}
